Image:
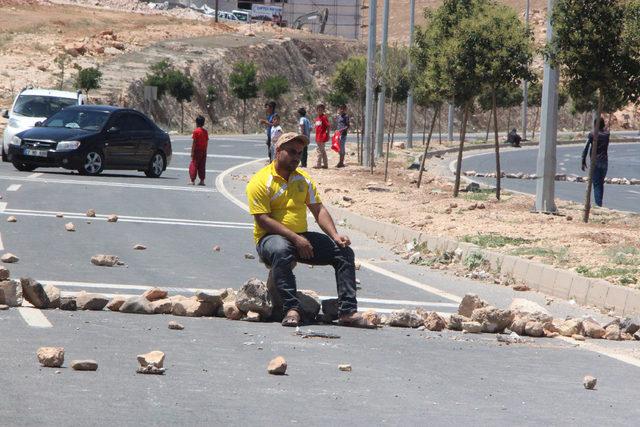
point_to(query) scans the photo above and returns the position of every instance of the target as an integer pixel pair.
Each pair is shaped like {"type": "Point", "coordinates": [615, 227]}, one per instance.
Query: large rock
{"type": "Point", "coordinates": [84, 365]}
{"type": "Point", "coordinates": [630, 325]}
{"type": "Point", "coordinates": [612, 332]}
{"type": "Point", "coordinates": [34, 292]}
{"type": "Point", "coordinates": [191, 307]}
{"type": "Point", "coordinates": [105, 260]}
{"type": "Point", "coordinates": [216, 297]}
{"type": "Point", "coordinates": [309, 305]}
{"type": "Point", "coordinates": [570, 327]}
{"type": "Point", "coordinates": [492, 319]}
{"type": "Point", "coordinates": [4, 273]}
{"type": "Point", "coordinates": [155, 358]}
{"type": "Point", "coordinates": [116, 302]}
{"type": "Point", "coordinates": [68, 304]}
{"type": "Point", "coordinates": [469, 303]}
{"type": "Point", "coordinates": [455, 322]}
{"type": "Point", "coordinates": [87, 301]}
{"type": "Point", "coordinates": [434, 322]}
{"type": "Point", "coordinates": [53, 294]}
{"type": "Point", "coordinates": [50, 357]}
{"type": "Point", "coordinates": [405, 319]}
{"type": "Point", "coordinates": [11, 293]}
{"type": "Point", "coordinates": [534, 329]}
{"type": "Point", "coordinates": [136, 305]}
{"type": "Point", "coordinates": [472, 327]}
{"type": "Point", "coordinates": [592, 329]}
{"type": "Point", "coordinates": [524, 306]}
{"type": "Point", "coordinates": [277, 366]}
{"type": "Point", "coordinates": [162, 306]}
{"type": "Point", "coordinates": [254, 296]}
{"type": "Point", "coordinates": [155, 294]}
{"type": "Point", "coordinates": [9, 258]}
{"type": "Point", "coordinates": [330, 310]}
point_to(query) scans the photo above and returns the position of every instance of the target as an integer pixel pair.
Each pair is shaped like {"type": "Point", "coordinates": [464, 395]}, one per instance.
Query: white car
{"type": "Point", "coordinates": [32, 106]}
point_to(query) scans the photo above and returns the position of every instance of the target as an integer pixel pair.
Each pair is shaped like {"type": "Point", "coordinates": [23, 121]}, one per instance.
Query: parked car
{"type": "Point", "coordinates": [242, 15]}
{"type": "Point", "coordinates": [92, 138]}
{"type": "Point", "coordinates": [35, 105]}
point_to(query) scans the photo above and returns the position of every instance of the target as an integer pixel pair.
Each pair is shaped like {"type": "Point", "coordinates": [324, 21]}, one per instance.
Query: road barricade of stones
{"type": "Point", "coordinates": [558, 177]}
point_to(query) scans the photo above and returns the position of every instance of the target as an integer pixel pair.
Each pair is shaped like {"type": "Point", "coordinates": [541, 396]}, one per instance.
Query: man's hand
{"type": "Point", "coordinates": [342, 241]}
{"type": "Point", "coordinates": [305, 250]}
{"type": "Point", "coordinates": [264, 122]}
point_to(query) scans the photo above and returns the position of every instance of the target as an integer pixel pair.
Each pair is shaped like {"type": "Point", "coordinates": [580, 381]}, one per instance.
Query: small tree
{"type": "Point", "coordinates": [274, 87]}
{"type": "Point", "coordinates": [181, 88]}
{"type": "Point", "coordinates": [61, 62]}
{"type": "Point", "coordinates": [243, 85]}
{"type": "Point", "coordinates": [158, 76]}
{"type": "Point", "coordinates": [89, 79]}
{"type": "Point", "coordinates": [596, 50]}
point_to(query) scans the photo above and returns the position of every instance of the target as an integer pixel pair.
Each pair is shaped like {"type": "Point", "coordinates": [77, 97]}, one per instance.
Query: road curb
{"type": "Point", "coordinates": [543, 278]}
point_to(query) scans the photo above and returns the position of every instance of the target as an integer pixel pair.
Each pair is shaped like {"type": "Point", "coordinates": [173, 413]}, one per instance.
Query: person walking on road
{"type": "Point", "coordinates": [304, 129]}
{"type": "Point", "coordinates": [602, 160]}
{"type": "Point", "coordinates": [279, 195]}
{"type": "Point", "coordinates": [343, 126]}
{"type": "Point", "coordinates": [199, 147]}
{"type": "Point", "coordinates": [322, 136]}
{"type": "Point", "coordinates": [276, 131]}
{"type": "Point", "coordinates": [270, 110]}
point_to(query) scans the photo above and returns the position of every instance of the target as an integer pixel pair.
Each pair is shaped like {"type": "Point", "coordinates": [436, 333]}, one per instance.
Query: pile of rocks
{"type": "Point", "coordinates": [558, 177]}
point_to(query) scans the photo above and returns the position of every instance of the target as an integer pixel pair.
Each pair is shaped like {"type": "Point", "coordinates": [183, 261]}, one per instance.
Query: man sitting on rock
{"type": "Point", "coordinates": [278, 196]}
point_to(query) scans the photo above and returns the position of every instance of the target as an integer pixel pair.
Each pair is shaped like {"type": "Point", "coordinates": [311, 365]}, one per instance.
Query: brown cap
{"type": "Point", "coordinates": [291, 136]}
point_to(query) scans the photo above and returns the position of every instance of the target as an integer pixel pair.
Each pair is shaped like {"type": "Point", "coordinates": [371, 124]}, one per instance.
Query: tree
{"type": "Point", "coordinates": [501, 49]}
{"type": "Point", "coordinates": [242, 82]}
{"type": "Point", "coordinates": [61, 62]}
{"type": "Point", "coordinates": [445, 49]}
{"type": "Point", "coordinates": [349, 82]}
{"type": "Point", "coordinates": [506, 98]}
{"type": "Point", "coordinates": [595, 47]}
{"type": "Point", "coordinates": [89, 79]}
{"type": "Point", "coordinates": [158, 76]}
{"type": "Point", "coordinates": [181, 88]}
{"type": "Point", "coordinates": [274, 87]}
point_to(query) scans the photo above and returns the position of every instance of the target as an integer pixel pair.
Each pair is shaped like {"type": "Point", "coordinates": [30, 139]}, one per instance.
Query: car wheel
{"type": "Point", "coordinates": [156, 165]}
{"type": "Point", "coordinates": [93, 163]}
{"type": "Point", "coordinates": [24, 167]}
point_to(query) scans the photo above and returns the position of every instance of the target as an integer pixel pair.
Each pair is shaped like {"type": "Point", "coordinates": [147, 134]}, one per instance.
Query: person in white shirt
{"type": "Point", "coordinates": [276, 131]}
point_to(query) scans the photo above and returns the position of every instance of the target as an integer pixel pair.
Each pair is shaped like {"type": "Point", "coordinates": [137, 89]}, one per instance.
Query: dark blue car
{"type": "Point", "coordinates": [92, 138]}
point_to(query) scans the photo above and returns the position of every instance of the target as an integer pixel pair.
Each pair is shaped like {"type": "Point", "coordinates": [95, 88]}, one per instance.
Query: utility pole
{"type": "Point", "coordinates": [383, 88]}
{"type": "Point", "coordinates": [371, 61]}
{"type": "Point", "coordinates": [546, 165]}
{"type": "Point", "coordinates": [217, 10]}
{"type": "Point", "coordinates": [525, 84]}
{"type": "Point", "coordinates": [412, 19]}
{"type": "Point", "coordinates": [450, 121]}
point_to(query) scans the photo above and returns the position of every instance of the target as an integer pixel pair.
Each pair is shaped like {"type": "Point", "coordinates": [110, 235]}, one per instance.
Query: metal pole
{"type": "Point", "coordinates": [525, 84]}
{"type": "Point", "coordinates": [371, 60]}
{"type": "Point", "coordinates": [383, 88]}
{"type": "Point", "coordinates": [216, 10]}
{"type": "Point", "coordinates": [450, 121]}
{"type": "Point", "coordinates": [412, 9]}
{"type": "Point", "coordinates": [546, 166]}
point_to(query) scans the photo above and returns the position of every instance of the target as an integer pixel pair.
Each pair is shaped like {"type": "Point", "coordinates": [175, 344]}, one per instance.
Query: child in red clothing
{"type": "Point", "coordinates": [199, 152]}
{"type": "Point", "coordinates": [322, 136]}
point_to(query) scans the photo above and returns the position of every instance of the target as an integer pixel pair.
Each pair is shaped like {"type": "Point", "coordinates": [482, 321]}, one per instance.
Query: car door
{"type": "Point", "coordinates": [142, 135]}
{"type": "Point", "coordinates": [119, 147]}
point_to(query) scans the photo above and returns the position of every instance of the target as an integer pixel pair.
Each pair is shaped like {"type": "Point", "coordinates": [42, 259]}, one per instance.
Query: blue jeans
{"type": "Point", "coordinates": [599, 173]}
{"type": "Point", "coordinates": [343, 144]}
{"type": "Point", "coordinates": [278, 253]}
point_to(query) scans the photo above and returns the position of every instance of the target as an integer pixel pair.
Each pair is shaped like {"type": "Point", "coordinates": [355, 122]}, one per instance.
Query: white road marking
{"type": "Point", "coordinates": [14, 187]}
{"type": "Point", "coordinates": [406, 302]}
{"type": "Point", "coordinates": [187, 170]}
{"type": "Point", "coordinates": [589, 346]}
{"type": "Point", "coordinates": [219, 156]}
{"type": "Point", "coordinates": [634, 192]}
{"type": "Point", "coordinates": [136, 219]}
{"type": "Point", "coordinates": [34, 317]}
{"type": "Point", "coordinates": [193, 189]}
{"type": "Point", "coordinates": [35, 175]}
{"type": "Point", "coordinates": [3, 206]}
{"type": "Point", "coordinates": [1, 244]}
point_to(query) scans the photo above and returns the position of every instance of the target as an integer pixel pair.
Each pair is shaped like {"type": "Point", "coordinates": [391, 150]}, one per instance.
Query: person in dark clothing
{"type": "Point", "coordinates": [270, 110]}
{"type": "Point", "coordinates": [343, 126]}
{"type": "Point", "coordinates": [602, 160]}
{"type": "Point", "coordinates": [513, 138]}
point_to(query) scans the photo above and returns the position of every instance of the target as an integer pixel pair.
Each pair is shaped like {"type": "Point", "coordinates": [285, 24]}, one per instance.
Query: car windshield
{"type": "Point", "coordinates": [77, 119]}
{"type": "Point", "coordinates": [41, 106]}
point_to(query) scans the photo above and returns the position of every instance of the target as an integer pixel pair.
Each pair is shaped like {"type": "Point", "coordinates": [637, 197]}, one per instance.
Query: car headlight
{"type": "Point", "coordinates": [67, 145]}
{"type": "Point", "coordinates": [15, 141]}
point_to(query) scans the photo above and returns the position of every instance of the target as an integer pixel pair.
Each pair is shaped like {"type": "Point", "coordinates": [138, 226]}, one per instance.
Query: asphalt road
{"type": "Point", "coordinates": [217, 368]}
{"type": "Point", "coordinates": [624, 162]}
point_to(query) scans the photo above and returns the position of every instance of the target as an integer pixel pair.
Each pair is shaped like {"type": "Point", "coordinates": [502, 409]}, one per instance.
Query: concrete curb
{"type": "Point", "coordinates": [540, 277]}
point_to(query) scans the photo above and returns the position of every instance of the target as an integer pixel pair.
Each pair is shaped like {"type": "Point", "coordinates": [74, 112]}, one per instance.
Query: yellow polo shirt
{"type": "Point", "coordinates": [284, 201]}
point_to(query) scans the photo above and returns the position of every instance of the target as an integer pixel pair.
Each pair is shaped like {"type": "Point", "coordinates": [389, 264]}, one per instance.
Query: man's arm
{"type": "Point", "coordinates": [586, 151]}
{"type": "Point", "coordinates": [325, 221]}
{"type": "Point", "coordinates": [271, 226]}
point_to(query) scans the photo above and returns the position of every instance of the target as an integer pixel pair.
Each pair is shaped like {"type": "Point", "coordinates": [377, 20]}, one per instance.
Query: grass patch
{"type": "Point", "coordinates": [558, 256]}
{"type": "Point", "coordinates": [494, 240]}
{"type": "Point", "coordinates": [481, 196]}
{"type": "Point", "coordinates": [622, 275]}
{"type": "Point", "coordinates": [474, 260]}
{"type": "Point", "coordinates": [624, 255]}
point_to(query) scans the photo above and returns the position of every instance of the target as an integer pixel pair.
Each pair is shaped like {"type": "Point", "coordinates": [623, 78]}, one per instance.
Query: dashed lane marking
{"type": "Point", "coordinates": [135, 219]}
{"type": "Point", "coordinates": [97, 183]}
{"type": "Point", "coordinates": [34, 317]}
{"type": "Point", "coordinates": [35, 175]}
